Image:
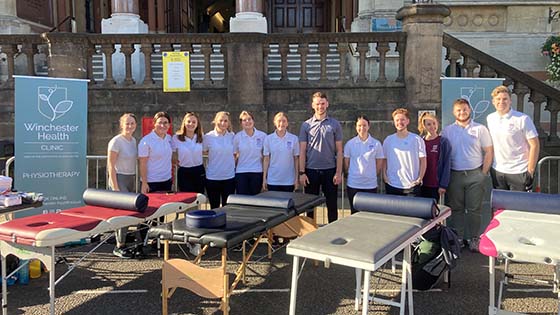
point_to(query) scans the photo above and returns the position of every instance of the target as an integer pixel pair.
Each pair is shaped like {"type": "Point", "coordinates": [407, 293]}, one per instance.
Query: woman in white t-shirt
{"type": "Point", "coordinates": [281, 157]}
{"type": "Point", "coordinates": [363, 161]}
{"type": "Point", "coordinates": [122, 155]}
{"type": "Point", "coordinates": [187, 148]}
{"type": "Point", "coordinates": [248, 147]}
{"type": "Point", "coordinates": [220, 169]}
{"type": "Point", "coordinates": [155, 154]}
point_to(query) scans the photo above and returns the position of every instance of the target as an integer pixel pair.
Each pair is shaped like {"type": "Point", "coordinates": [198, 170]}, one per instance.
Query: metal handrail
{"type": "Point", "coordinates": [539, 171]}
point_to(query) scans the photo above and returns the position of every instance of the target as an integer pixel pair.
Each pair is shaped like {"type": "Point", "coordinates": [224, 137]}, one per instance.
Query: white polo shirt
{"type": "Point", "coordinates": [403, 159]}
{"type": "Point", "coordinates": [363, 155]}
{"type": "Point", "coordinates": [127, 154]}
{"type": "Point", "coordinates": [510, 133]}
{"type": "Point", "coordinates": [467, 145]}
{"type": "Point", "coordinates": [159, 152]}
{"type": "Point", "coordinates": [221, 163]}
{"type": "Point", "coordinates": [189, 152]}
{"type": "Point", "coordinates": [250, 150]}
{"type": "Point", "coordinates": [282, 150]}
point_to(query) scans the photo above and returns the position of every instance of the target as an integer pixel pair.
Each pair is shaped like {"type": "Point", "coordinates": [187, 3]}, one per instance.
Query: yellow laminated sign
{"type": "Point", "coordinates": [176, 71]}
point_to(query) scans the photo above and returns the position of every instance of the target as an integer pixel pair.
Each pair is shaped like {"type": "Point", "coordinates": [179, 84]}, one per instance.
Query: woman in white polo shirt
{"type": "Point", "coordinates": [220, 169]}
{"type": "Point", "coordinates": [154, 154]}
{"type": "Point", "coordinates": [122, 155]}
{"type": "Point", "coordinates": [248, 147]}
{"type": "Point", "coordinates": [281, 157]}
{"type": "Point", "coordinates": [187, 145]}
{"type": "Point", "coordinates": [363, 160]}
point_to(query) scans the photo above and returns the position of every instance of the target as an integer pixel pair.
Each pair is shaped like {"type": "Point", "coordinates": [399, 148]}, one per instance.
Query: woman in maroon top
{"type": "Point", "coordinates": [438, 151]}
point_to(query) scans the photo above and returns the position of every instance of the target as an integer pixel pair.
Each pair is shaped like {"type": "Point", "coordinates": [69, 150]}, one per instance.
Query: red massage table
{"type": "Point", "coordinates": [37, 236]}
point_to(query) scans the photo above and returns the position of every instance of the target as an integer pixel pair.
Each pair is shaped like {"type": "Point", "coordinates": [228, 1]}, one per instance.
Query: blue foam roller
{"type": "Point", "coordinates": [525, 201]}
{"type": "Point", "coordinates": [261, 201]}
{"type": "Point", "coordinates": [115, 199]}
{"type": "Point", "coordinates": [418, 207]}
{"type": "Point", "coordinates": [206, 219]}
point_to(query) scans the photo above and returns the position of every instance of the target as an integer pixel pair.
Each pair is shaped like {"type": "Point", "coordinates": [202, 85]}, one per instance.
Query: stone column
{"type": "Point", "coordinates": [423, 24]}
{"type": "Point", "coordinates": [369, 9]}
{"type": "Point", "coordinates": [245, 71]}
{"type": "Point", "coordinates": [67, 55]}
{"type": "Point", "coordinates": [9, 22]}
{"type": "Point", "coordinates": [248, 17]}
{"type": "Point", "coordinates": [125, 20]}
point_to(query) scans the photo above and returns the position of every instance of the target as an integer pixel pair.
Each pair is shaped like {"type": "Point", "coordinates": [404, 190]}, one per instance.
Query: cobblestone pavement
{"type": "Point", "coordinates": [104, 284]}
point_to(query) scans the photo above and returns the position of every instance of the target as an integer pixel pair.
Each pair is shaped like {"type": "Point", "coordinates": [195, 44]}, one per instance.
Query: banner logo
{"type": "Point", "coordinates": [53, 101]}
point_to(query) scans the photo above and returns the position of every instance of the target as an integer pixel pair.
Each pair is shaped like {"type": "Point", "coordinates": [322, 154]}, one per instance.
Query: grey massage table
{"type": "Point", "coordinates": [366, 241]}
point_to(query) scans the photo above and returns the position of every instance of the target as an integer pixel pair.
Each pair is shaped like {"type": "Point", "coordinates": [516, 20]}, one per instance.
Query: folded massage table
{"type": "Point", "coordinates": [36, 237]}
{"type": "Point", "coordinates": [247, 217]}
{"type": "Point", "coordinates": [525, 228]}
{"type": "Point", "coordinates": [366, 240]}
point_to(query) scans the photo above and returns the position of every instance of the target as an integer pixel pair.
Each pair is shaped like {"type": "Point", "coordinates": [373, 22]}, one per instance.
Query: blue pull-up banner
{"type": "Point", "coordinates": [50, 140]}
{"type": "Point", "coordinates": [475, 90]}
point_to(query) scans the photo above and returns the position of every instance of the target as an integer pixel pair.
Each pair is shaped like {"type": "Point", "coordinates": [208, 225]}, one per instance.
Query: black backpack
{"type": "Point", "coordinates": [436, 253]}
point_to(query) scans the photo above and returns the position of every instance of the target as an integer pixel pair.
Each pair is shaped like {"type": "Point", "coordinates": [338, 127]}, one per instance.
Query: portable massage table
{"type": "Point", "coordinates": [366, 240]}
{"type": "Point", "coordinates": [525, 228]}
{"type": "Point", "coordinates": [37, 236]}
{"type": "Point", "coordinates": [246, 218]}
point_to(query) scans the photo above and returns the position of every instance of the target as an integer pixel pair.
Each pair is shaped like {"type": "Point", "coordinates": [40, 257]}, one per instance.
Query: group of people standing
{"type": "Point", "coordinates": [454, 163]}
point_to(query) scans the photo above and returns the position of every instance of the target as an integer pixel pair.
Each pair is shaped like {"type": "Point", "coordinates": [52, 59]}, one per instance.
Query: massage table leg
{"type": "Point", "coordinates": [358, 288]}
{"type": "Point", "coordinates": [225, 298]}
{"type": "Point", "coordinates": [293, 291]}
{"type": "Point", "coordinates": [52, 279]}
{"type": "Point", "coordinates": [491, 284]}
{"type": "Point", "coordinates": [408, 282]}
{"type": "Point", "coordinates": [365, 297]}
{"type": "Point", "coordinates": [4, 287]}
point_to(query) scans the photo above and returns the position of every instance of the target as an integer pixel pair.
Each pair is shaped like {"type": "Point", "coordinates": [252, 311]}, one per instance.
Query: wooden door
{"type": "Point", "coordinates": [298, 16]}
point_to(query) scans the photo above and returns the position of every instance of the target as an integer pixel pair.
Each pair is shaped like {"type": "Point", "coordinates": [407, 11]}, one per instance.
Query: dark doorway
{"type": "Point", "coordinates": [298, 16]}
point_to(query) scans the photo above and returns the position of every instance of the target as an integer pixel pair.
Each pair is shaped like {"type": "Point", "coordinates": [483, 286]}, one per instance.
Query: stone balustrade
{"type": "Point", "coordinates": [329, 59]}
{"type": "Point", "coordinates": [471, 62]}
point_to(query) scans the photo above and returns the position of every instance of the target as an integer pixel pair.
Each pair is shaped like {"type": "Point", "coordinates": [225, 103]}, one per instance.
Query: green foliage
{"type": "Point", "coordinates": [551, 48]}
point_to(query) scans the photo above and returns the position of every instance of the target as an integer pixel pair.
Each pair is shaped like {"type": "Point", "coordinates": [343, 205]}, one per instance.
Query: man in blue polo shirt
{"type": "Point", "coordinates": [320, 159]}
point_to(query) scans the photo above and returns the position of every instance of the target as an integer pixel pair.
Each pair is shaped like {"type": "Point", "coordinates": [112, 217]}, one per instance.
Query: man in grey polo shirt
{"type": "Point", "coordinates": [471, 157]}
{"type": "Point", "coordinates": [320, 158]}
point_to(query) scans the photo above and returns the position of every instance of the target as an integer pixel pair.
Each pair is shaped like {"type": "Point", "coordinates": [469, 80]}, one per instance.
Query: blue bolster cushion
{"type": "Point", "coordinates": [261, 201]}
{"type": "Point", "coordinates": [424, 208]}
{"type": "Point", "coordinates": [206, 219]}
{"type": "Point", "coordinates": [524, 201]}
{"type": "Point", "coordinates": [115, 199]}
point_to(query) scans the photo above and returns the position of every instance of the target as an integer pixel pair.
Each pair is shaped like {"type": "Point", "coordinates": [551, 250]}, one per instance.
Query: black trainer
{"type": "Point", "coordinates": [123, 253]}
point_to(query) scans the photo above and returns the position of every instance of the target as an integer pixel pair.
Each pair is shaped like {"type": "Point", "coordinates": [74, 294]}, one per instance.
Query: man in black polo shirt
{"type": "Point", "coordinates": [320, 159]}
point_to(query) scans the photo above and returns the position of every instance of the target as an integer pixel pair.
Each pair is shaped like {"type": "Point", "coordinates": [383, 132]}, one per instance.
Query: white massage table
{"type": "Point", "coordinates": [365, 241]}
{"type": "Point", "coordinates": [525, 228]}
{"type": "Point", "coordinates": [36, 237]}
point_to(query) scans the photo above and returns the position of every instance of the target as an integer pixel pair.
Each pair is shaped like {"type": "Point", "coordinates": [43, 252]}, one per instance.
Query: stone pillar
{"type": "Point", "coordinates": [245, 70]}
{"type": "Point", "coordinates": [9, 22]}
{"type": "Point", "coordinates": [248, 17]}
{"type": "Point", "coordinates": [369, 9]}
{"type": "Point", "coordinates": [423, 24]}
{"type": "Point", "coordinates": [125, 20]}
{"type": "Point", "coordinates": [67, 55]}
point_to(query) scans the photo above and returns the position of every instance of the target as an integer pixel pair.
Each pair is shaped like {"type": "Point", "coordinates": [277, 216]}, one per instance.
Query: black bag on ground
{"type": "Point", "coordinates": [436, 253]}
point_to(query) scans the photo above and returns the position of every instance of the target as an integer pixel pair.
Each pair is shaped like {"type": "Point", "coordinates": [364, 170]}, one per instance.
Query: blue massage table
{"type": "Point", "coordinates": [246, 218]}
{"type": "Point", "coordinates": [366, 240]}
{"type": "Point", "coordinates": [525, 228]}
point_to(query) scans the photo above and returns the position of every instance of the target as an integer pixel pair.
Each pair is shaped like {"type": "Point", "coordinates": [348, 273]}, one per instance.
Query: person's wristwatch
{"type": "Point", "coordinates": [301, 173]}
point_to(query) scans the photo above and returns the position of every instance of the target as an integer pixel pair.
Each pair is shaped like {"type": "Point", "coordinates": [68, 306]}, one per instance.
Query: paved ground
{"type": "Point", "coordinates": [104, 284]}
